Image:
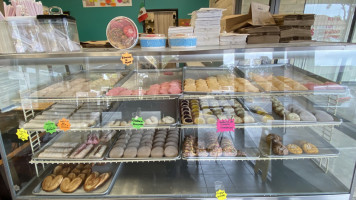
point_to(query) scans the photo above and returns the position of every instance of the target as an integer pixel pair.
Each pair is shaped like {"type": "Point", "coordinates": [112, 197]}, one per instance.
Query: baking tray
{"type": "Point", "coordinates": [293, 135]}
{"type": "Point", "coordinates": [83, 74]}
{"type": "Point", "coordinates": [72, 136]}
{"type": "Point", "coordinates": [149, 159]}
{"type": "Point", "coordinates": [204, 72]}
{"type": "Point", "coordinates": [290, 71]}
{"type": "Point", "coordinates": [145, 78]}
{"type": "Point", "coordinates": [241, 140]}
{"type": "Point", "coordinates": [126, 110]}
{"type": "Point", "coordinates": [213, 125]}
{"type": "Point", "coordinates": [104, 189]}
{"type": "Point", "coordinates": [266, 104]}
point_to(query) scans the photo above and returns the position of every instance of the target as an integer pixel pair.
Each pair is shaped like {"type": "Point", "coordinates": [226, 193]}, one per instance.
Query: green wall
{"type": "Point", "coordinates": [92, 21]}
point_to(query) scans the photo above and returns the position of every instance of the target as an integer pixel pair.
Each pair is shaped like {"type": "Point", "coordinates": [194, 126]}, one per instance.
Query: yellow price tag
{"type": "Point", "coordinates": [221, 194]}
{"type": "Point", "coordinates": [22, 134]}
{"type": "Point", "coordinates": [127, 59]}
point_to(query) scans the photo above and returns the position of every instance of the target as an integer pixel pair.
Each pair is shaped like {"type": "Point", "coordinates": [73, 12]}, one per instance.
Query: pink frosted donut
{"type": "Point", "coordinates": [126, 93]}
{"type": "Point", "coordinates": [155, 86]}
{"type": "Point", "coordinates": [137, 92]}
{"type": "Point", "coordinates": [119, 89]}
{"type": "Point", "coordinates": [165, 84]}
{"type": "Point", "coordinates": [174, 90]}
{"type": "Point", "coordinates": [174, 84]}
{"type": "Point", "coordinates": [112, 93]}
{"type": "Point", "coordinates": [163, 91]}
{"type": "Point", "coordinates": [115, 91]}
{"type": "Point", "coordinates": [166, 87]}
{"type": "Point", "coordinates": [152, 92]}
{"type": "Point", "coordinates": [178, 81]}
{"type": "Point", "coordinates": [310, 86]}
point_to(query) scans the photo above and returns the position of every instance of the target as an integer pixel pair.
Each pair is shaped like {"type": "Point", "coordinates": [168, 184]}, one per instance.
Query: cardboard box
{"type": "Point", "coordinates": [258, 15]}
{"type": "Point", "coordinates": [234, 22]}
{"type": "Point", "coordinates": [260, 39]}
{"type": "Point", "coordinates": [294, 19]}
{"type": "Point", "coordinates": [295, 31]}
{"type": "Point", "coordinates": [293, 39]}
{"type": "Point", "coordinates": [256, 30]}
{"type": "Point", "coordinates": [261, 34]}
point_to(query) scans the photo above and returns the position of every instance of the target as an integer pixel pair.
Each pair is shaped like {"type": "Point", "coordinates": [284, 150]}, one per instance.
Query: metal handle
{"type": "Point", "coordinates": [59, 12]}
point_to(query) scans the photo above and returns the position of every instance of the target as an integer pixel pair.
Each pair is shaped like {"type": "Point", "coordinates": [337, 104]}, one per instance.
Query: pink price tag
{"type": "Point", "coordinates": [225, 125]}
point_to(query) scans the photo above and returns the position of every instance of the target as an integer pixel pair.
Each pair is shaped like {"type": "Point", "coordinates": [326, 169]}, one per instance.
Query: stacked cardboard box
{"type": "Point", "coordinates": [261, 34]}
{"type": "Point", "coordinates": [262, 27]}
{"type": "Point", "coordinates": [294, 27]}
{"type": "Point", "coordinates": [258, 23]}
{"type": "Point", "coordinates": [206, 23]}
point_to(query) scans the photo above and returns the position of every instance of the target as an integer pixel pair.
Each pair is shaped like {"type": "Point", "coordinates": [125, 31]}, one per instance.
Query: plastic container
{"type": "Point", "coordinates": [60, 30]}
{"type": "Point", "coordinates": [153, 41]}
{"type": "Point", "coordinates": [182, 41]}
{"type": "Point", "coordinates": [122, 33]}
{"type": "Point", "coordinates": [24, 33]}
{"type": "Point", "coordinates": [6, 45]}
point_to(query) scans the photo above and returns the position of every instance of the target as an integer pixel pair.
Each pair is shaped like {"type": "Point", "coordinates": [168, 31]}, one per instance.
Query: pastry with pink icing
{"type": "Point", "coordinates": [125, 93]}
{"type": "Point", "coordinates": [138, 92]}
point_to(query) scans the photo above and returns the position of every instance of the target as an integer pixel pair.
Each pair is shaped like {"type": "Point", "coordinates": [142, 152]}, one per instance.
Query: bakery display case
{"type": "Point", "coordinates": [256, 121]}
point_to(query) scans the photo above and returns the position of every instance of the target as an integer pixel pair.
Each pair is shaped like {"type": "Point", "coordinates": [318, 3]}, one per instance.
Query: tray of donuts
{"type": "Point", "coordinates": [207, 111]}
{"type": "Point", "coordinates": [150, 83]}
{"type": "Point", "coordinates": [82, 146]}
{"type": "Point", "coordinates": [155, 113]}
{"type": "Point", "coordinates": [146, 145]}
{"type": "Point", "coordinates": [80, 179]}
{"type": "Point", "coordinates": [215, 80]}
{"type": "Point", "coordinates": [288, 79]}
{"type": "Point", "coordinates": [207, 144]}
{"type": "Point", "coordinates": [298, 110]}
{"type": "Point", "coordinates": [297, 143]}
{"type": "Point", "coordinates": [261, 110]}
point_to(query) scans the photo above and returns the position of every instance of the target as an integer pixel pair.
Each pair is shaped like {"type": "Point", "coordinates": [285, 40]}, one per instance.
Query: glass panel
{"type": "Point", "coordinates": [267, 120]}
{"type": "Point", "coordinates": [333, 19]}
{"type": "Point", "coordinates": [291, 7]}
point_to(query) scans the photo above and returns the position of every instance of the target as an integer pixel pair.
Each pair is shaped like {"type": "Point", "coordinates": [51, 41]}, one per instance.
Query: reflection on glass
{"type": "Point", "coordinates": [332, 21]}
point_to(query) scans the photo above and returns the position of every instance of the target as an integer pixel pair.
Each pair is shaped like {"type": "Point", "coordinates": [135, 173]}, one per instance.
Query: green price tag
{"type": "Point", "coordinates": [137, 122]}
{"type": "Point", "coordinates": [50, 127]}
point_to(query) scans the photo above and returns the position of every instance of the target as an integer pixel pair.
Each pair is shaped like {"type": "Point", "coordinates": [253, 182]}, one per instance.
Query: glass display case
{"type": "Point", "coordinates": [255, 121]}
